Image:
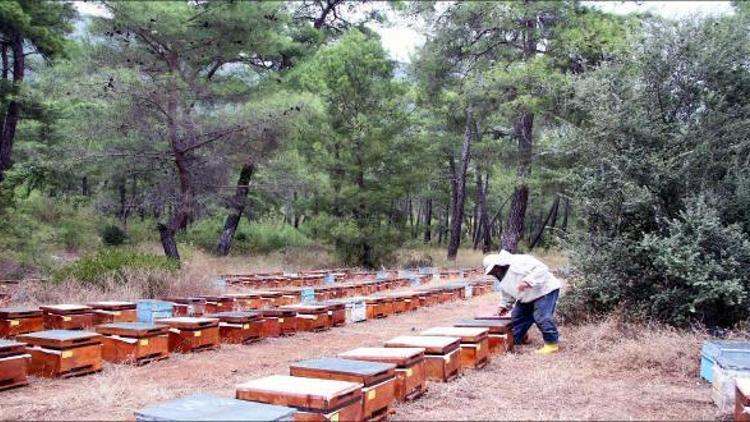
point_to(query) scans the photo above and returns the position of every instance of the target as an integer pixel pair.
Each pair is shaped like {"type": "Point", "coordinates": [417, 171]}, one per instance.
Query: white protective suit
{"type": "Point", "coordinates": [522, 268]}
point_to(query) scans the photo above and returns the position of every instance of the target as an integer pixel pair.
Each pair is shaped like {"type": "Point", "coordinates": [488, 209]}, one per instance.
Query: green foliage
{"type": "Point", "coordinates": [656, 146]}
{"type": "Point", "coordinates": [110, 264]}
{"type": "Point", "coordinates": [263, 236]}
{"type": "Point", "coordinates": [113, 235]}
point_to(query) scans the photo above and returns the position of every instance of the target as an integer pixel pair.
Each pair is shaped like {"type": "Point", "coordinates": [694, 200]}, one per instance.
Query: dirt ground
{"type": "Point", "coordinates": [605, 371]}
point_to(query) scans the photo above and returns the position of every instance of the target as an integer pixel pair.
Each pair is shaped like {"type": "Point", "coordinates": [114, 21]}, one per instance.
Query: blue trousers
{"type": "Point", "coordinates": [540, 312]}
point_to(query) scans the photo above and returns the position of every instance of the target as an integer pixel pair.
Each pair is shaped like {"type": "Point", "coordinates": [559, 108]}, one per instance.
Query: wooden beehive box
{"type": "Point", "coordinates": [489, 312]}
{"type": "Point", "coordinates": [500, 337]}
{"type": "Point", "coordinates": [271, 299]}
{"type": "Point", "coordinates": [192, 334]}
{"type": "Point", "coordinates": [14, 364]}
{"type": "Point", "coordinates": [398, 303]}
{"type": "Point", "coordinates": [336, 312]}
{"type": "Point", "coordinates": [375, 307]}
{"type": "Point", "coordinates": [411, 382]}
{"type": "Point", "coordinates": [109, 312]}
{"type": "Point", "coordinates": [379, 380]}
{"type": "Point", "coordinates": [15, 321]}
{"type": "Point", "coordinates": [67, 317]}
{"type": "Point", "coordinates": [211, 407]}
{"type": "Point", "coordinates": [215, 304]}
{"type": "Point", "coordinates": [63, 353]}
{"type": "Point", "coordinates": [245, 301]}
{"type": "Point", "coordinates": [742, 400]}
{"type": "Point", "coordinates": [196, 306]}
{"type": "Point", "coordinates": [475, 349]}
{"type": "Point", "coordinates": [442, 354]}
{"type": "Point", "coordinates": [134, 342]}
{"type": "Point", "coordinates": [239, 327]}
{"type": "Point", "coordinates": [316, 399]}
{"type": "Point", "coordinates": [311, 317]}
{"type": "Point", "coordinates": [285, 318]}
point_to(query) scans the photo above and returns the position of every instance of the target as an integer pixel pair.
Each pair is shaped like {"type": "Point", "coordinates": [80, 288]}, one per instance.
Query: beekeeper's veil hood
{"type": "Point", "coordinates": [501, 259]}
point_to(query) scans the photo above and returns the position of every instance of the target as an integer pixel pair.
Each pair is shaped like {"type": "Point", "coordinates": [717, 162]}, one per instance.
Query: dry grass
{"type": "Point", "coordinates": [606, 370]}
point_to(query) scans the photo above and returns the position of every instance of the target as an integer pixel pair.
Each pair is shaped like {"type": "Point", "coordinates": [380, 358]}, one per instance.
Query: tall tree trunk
{"type": "Point", "coordinates": [564, 224]}
{"type": "Point", "coordinates": [428, 221]}
{"type": "Point", "coordinates": [540, 232]}
{"type": "Point", "coordinates": [13, 114]}
{"type": "Point", "coordinates": [460, 197]}
{"type": "Point", "coordinates": [478, 205]}
{"type": "Point", "coordinates": [484, 217]}
{"type": "Point", "coordinates": [236, 206]}
{"type": "Point", "coordinates": [514, 229]}
{"type": "Point", "coordinates": [122, 193]}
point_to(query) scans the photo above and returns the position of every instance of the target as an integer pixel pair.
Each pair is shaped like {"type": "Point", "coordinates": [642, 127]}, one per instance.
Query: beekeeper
{"type": "Point", "coordinates": [528, 288]}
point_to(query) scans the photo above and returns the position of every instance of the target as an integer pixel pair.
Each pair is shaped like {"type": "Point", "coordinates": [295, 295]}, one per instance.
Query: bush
{"type": "Point", "coordinates": [113, 235]}
{"type": "Point", "coordinates": [111, 263]}
{"type": "Point", "coordinates": [697, 270]}
{"type": "Point", "coordinates": [257, 237]}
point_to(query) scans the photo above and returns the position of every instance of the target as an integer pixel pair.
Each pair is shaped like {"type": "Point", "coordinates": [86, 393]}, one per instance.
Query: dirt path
{"type": "Point", "coordinates": [568, 386]}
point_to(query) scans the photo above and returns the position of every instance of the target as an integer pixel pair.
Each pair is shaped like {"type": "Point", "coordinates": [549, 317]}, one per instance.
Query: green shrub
{"type": "Point", "coordinates": [110, 263]}
{"type": "Point", "coordinates": [113, 235]}
{"type": "Point", "coordinates": [257, 237]}
{"type": "Point", "coordinates": [697, 270]}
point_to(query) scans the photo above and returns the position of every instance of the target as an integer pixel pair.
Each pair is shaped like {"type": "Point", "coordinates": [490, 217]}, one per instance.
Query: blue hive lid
{"type": "Point", "coordinates": [346, 366]}
{"type": "Point", "coordinates": [737, 361]}
{"type": "Point", "coordinates": [712, 348]}
{"type": "Point", "coordinates": [210, 407]}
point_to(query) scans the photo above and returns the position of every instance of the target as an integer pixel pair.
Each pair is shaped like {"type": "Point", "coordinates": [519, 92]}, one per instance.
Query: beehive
{"type": "Point", "coordinates": [215, 304]}
{"type": "Point", "coordinates": [196, 306]}
{"type": "Point", "coordinates": [375, 307]}
{"type": "Point", "coordinates": [379, 380]}
{"type": "Point", "coordinates": [336, 312]}
{"type": "Point", "coordinates": [742, 400]}
{"type": "Point", "coordinates": [315, 399]}
{"type": "Point", "coordinates": [475, 350]}
{"type": "Point", "coordinates": [192, 334]}
{"type": "Point", "coordinates": [442, 354]}
{"type": "Point", "coordinates": [398, 303]}
{"type": "Point", "coordinates": [489, 312]}
{"type": "Point", "coordinates": [245, 301]}
{"type": "Point", "coordinates": [67, 317]}
{"type": "Point", "coordinates": [15, 321]}
{"type": "Point", "coordinates": [63, 353]}
{"type": "Point", "coordinates": [210, 407]}
{"type": "Point", "coordinates": [310, 317]}
{"type": "Point", "coordinates": [270, 299]}
{"type": "Point", "coordinates": [149, 310]}
{"type": "Point", "coordinates": [109, 312]}
{"type": "Point", "coordinates": [500, 336]}
{"type": "Point", "coordinates": [14, 364]}
{"type": "Point", "coordinates": [286, 319]}
{"type": "Point", "coordinates": [239, 327]}
{"type": "Point", "coordinates": [134, 342]}
{"type": "Point", "coordinates": [410, 367]}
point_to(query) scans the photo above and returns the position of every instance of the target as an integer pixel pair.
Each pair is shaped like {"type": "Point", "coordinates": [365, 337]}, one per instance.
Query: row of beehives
{"type": "Point", "coordinates": [316, 278]}
{"type": "Point", "coordinates": [361, 384]}
{"type": "Point", "coordinates": [64, 351]}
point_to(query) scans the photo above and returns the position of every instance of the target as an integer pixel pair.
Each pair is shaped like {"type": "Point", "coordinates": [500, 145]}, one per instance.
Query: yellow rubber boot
{"type": "Point", "coordinates": [548, 349]}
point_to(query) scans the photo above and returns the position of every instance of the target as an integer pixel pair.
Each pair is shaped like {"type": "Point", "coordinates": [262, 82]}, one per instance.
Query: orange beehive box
{"type": "Point", "coordinates": [316, 399]}
{"type": "Point", "coordinates": [475, 349]}
{"type": "Point", "coordinates": [196, 306]}
{"type": "Point", "coordinates": [375, 307]}
{"type": "Point", "coordinates": [271, 299]}
{"type": "Point", "coordinates": [286, 319]}
{"type": "Point", "coordinates": [67, 317]}
{"type": "Point", "coordinates": [742, 400]}
{"type": "Point", "coordinates": [239, 327]}
{"type": "Point", "coordinates": [411, 382]}
{"type": "Point", "coordinates": [310, 317]}
{"type": "Point", "coordinates": [63, 353]}
{"type": "Point", "coordinates": [336, 312]}
{"type": "Point", "coordinates": [109, 312]}
{"type": "Point", "coordinates": [500, 337]}
{"type": "Point", "coordinates": [215, 304]}
{"type": "Point", "coordinates": [14, 364]}
{"type": "Point", "coordinates": [245, 301]}
{"type": "Point", "coordinates": [15, 321]}
{"type": "Point", "coordinates": [442, 354]}
{"type": "Point", "coordinates": [379, 380]}
{"type": "Point", "coordinates": [398, 303]}
{"type": "Point", "coordinates": [134, 342]}
{"type": "Point", "coordinates": [192, 334]}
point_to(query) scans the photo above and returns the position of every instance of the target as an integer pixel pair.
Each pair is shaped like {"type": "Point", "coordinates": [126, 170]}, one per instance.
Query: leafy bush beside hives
{"type": "Point", "coordinates": [110, 263]}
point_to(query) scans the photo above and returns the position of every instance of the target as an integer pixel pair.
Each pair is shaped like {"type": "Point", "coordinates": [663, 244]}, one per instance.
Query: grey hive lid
{"type": "Point", "coordinates": [211, 407]}
{"type": "Point", "coordinates": [358, 367]}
